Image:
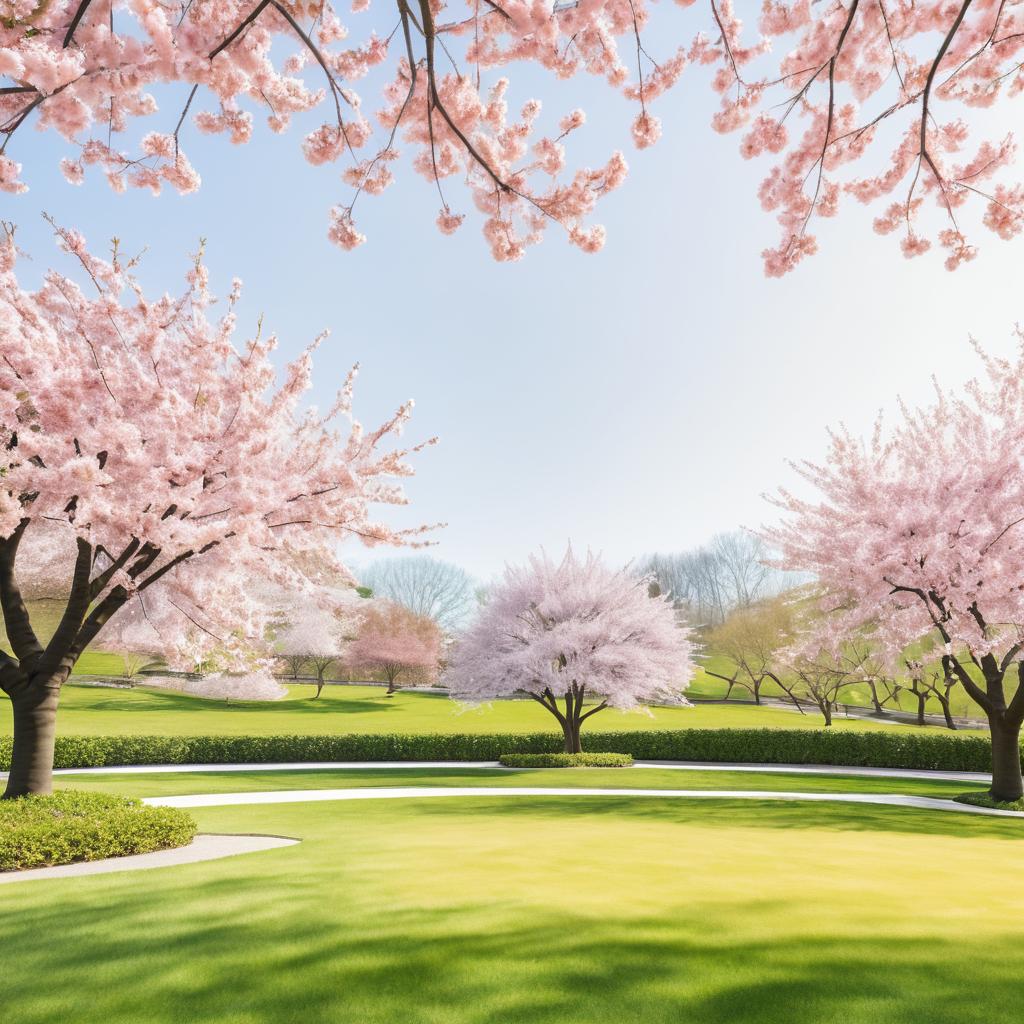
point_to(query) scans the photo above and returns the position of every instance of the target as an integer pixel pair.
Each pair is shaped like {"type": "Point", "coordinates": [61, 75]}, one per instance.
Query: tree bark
{"type": "Point", "coordinates": [571, 729]}
{"type": "Point", "coordinates": [319, 688]}
{"type": "Point", "coordinates": [35, 724]}
{"type": "Point", "coordinates": [946, 713]}
{"type": "Point", "coordinates": [1007, 784]}
{"type": "Point", "coordinates": [826, 711]}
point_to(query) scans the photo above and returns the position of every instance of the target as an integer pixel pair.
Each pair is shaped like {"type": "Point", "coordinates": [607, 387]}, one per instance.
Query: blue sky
{"type": "Point", "coordinates": [641, 399]}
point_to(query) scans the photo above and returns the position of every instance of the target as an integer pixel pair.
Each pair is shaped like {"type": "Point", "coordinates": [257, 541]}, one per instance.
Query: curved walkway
{"type": "Point", "coordinates": [685, 766]}
{"type": "Point", "coordinates": [432, 792]}
{"type": "Point", "coordinates": [203, 847]}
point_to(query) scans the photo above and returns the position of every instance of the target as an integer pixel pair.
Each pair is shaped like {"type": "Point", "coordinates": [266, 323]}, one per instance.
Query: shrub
{"type": "Point", "coordinates": [72, 826]}
{"type": "Point", "coordinates": [891, 749]}
{"type": "Point", "coordinates": [985, 800]}
{"type": "Point", "coordinates": [566, 760]}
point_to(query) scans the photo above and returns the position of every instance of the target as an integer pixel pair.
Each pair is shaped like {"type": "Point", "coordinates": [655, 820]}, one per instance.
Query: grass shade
{"type": "Point", "coordinates": [539, 911]}
{"type": "Point", "coordinates": [985, 799]}
{"type": "Point", "coordinates": [566, 760]}
{"type": "Point", "coordinates": [69, 826]}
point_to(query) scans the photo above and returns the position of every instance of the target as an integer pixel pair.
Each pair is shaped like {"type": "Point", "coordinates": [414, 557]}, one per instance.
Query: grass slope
{"type": "Point", "coordinates": [94, 711]}
{"type": "Point", "coordinates": [553, 911]}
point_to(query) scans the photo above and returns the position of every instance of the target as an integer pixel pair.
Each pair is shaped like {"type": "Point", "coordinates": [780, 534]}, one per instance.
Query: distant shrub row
{"type": "Point", "coordinates": [566, 760]}
{"type": "Point", "coordinates": [892, 749]}
{"type": "Point", "coordinates": [36, 831]}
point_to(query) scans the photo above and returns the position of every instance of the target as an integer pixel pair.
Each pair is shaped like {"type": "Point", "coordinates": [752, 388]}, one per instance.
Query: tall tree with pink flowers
{"type": "Point", "coordinates": [560, 631]}
{"type": "Point", "coordinates": [872, 103]}
{"type": "Point", "coordinates": [167, 456]}
{"type": "Point", "coordinates": [918, 536]}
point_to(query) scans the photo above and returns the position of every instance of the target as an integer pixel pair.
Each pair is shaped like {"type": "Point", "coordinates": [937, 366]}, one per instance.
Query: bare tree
{"type": "Point", "coordinates": [731, 571]}
{"type": "Point", "coordinates": [427, 586]}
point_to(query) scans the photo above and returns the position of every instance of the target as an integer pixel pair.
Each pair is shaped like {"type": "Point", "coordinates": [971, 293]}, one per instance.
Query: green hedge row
{"type": "Point", "coordinates": [891, 749]}
{"type": "Point", "coordinates": [566, 760]}
{"type": "Point", "coordinates": [36, 831]}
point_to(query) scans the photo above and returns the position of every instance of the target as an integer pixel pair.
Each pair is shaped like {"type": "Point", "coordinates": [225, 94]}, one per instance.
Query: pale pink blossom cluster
{"type": "Point", "coordinates": [551, 625]}
{"type": "Point", "coordinates": [392, 639]}
{"type": "Point", "coordinates": [87, 71]}
{"type": "Point", "coordinates": [158, 462]}
{"type": "Point", "coordinates": [918, 534]}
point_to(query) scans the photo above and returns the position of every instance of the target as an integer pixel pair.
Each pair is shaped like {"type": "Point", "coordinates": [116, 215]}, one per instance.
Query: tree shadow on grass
{"type": "Point", "coordinates": [242, 949]}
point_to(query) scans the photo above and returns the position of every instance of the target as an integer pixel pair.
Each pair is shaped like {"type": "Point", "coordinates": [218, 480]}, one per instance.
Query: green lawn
{"type": "Point", "coordinates": [87, 710]}
{"type": "Point", "coordinates": [540, 911]}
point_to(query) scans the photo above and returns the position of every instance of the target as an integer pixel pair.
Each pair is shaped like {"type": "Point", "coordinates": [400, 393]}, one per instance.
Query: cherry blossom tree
{"type": "Point", "coordinates": [170, 458]}
{"type": "Point", "coordinates": [557, 631]}
{"type": "Point", "coordinates": [872, 102]}
{"type": "Point", "coordinates": [393, 639]}
{"type": "Point", "coordinates": [919, 532]}
{"type": "Point", "coordinates": [318, 636]}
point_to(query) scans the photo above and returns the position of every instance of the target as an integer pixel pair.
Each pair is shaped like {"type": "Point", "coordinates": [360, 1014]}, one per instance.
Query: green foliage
{"type": "Point", "coordinates": [71, 826]}
{"type": "Point", "coordinates": [985, 799]}
{"type": "Point", "coordinates": [890, 749]}
{"type": "Point", "coordinates": [566, 760]}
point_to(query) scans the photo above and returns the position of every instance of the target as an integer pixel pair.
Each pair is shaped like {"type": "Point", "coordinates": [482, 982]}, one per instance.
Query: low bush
{"type": "Point", "coordinates": [566, 760]}
{"type": "Point", "coordinates": [986, 800]}
{"type": "Point", "coordinates": [891, 749]}
{"type": "Point", "coordinates": [68, 826]}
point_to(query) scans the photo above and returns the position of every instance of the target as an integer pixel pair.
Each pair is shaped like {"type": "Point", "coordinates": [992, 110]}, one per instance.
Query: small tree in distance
{"type": "Point", "coordinates": [393, 640]}
{"type": "Point", "coordinates": [316, 636]}
{"type": "Point", "coordinates": [558, 631]}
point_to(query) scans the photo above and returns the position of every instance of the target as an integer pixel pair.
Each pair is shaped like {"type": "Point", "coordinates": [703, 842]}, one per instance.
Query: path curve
{"type": "Point", "coordinates": [203, 847]}
{"type": "Point", "coordinates": [432, 792]}
{"type": "Point", "coordinates": [685, 766]}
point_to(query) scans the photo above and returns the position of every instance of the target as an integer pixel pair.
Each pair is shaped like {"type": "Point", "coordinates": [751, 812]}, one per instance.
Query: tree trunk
{"type": "Point", "coordinates": [757, 690]}
{"type": "Point", "coordinates": [319, 688]}
{"type": "Point", "coordinates": [1007, 784]}
{"type": "Point", "coordinates": [921, 698]}
{"type": "Point", "coordinates": [826, 710]}
{"type": "Point", "coordinates": [391, 687]}
{"type": "Point", "coordinates": [571, 728]}
{"type": "Point", "coordinates": [944, 702]}
{"type": "Point", "coordinates": [35, 725]}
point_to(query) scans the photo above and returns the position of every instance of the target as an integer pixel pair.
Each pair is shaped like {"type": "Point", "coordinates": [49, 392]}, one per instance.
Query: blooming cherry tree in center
{"type": "Point", "coordinates": [558, 631]}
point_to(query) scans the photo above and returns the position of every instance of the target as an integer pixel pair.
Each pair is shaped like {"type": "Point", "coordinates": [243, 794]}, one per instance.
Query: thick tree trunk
{"type": "Point", "coordinates": [319, 688]}
{"type": "Point", "coordinates": [826, 711]}
{"type": "Point", "coordinates": [571, 729]}
{"type": "Point", "coordinates": [757, 690]}
{"type": "Point", "coordinates": [1007, 784]}
{"type": "Point", "coordinates": [35, 725]}
{"type": "Point", "coordinates": [921, 698]}
{"type": "Point", "coordinates": [391, 688]}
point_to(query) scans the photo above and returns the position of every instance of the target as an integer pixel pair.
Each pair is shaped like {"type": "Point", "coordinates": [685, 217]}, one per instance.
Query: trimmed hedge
{"type": "Point", "coordinates": [36, 831]}
{"type": "Point", "coordinates": [890, 749]}
{"type": "Point", "coordinates": [566, 760]}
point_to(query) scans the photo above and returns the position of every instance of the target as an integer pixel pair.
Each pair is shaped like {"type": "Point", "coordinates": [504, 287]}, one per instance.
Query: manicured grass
{"type": "Point", "coordinates": [176, 783]}
{"type": "Point", "coordinates": [546, 911]}
{"type": "Point", "coordinates": [96, 711]}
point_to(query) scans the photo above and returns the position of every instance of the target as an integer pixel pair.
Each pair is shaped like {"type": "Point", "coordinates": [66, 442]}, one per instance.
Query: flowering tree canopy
{"type": "Point", "coordinates": [882, 88]}
{"type": "Point", "coordinates": [919, 535]}
{"type": "Point", "coordinates": [395, 639]}
{"type": "Point", "coordinates": [558, 630]}
{"type": "Point", "coordinates": [167, 455]}
{"type": "Point", "coordinates": [317, 632]}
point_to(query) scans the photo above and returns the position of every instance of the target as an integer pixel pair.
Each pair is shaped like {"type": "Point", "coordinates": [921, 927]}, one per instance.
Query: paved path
{"type": "Point", "coordinates": [203, 847]}
{"type": "Point", "coordinates": [685, 766]}
{"type": "Point", "coordinates": [505, 792]}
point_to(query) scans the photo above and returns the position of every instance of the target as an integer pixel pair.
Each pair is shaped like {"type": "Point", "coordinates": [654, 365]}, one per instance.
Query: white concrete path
{"type": "Point", "coordinates": [203, 847]}
{"type": "Point", "coordinates": [432, 792]}
{"type": "Point", "coordinates": [685, 766]}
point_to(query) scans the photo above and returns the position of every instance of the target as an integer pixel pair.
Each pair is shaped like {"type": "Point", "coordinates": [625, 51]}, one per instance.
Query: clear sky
{"type": "Point", "coordinates": [641, 399]}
